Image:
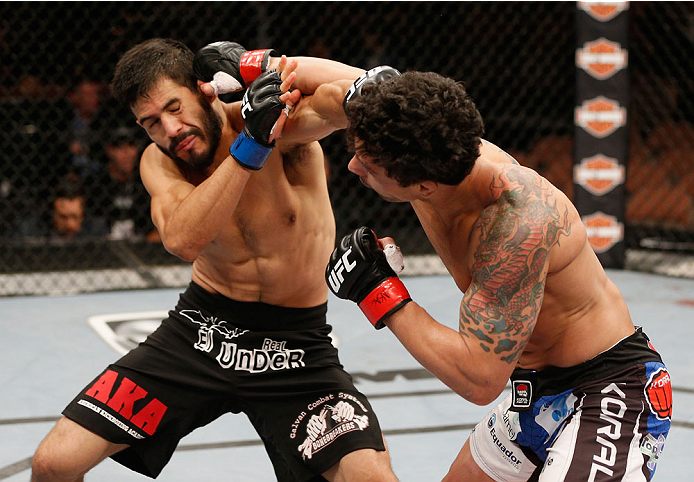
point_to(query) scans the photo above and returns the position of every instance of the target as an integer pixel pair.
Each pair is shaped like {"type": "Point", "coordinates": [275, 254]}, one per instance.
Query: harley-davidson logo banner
{"type": "Point", "coordinates": [601, 120]}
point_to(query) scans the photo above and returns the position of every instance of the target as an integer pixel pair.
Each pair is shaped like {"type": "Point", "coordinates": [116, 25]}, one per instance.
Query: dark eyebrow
{"type": "Point", "coordinates": [361, 161]}
{"type": "Point", "coordinates": [168, 104]}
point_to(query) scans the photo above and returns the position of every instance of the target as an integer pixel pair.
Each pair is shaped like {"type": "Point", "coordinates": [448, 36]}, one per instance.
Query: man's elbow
{"type": "Point", "coordinates": [329, 105]}
{"type": "Point", "coordinates": [483, 398]}
{"type": "Point", "coordinates": [180, 248]}
{"type": "Point", "coordinates": [482, 392]}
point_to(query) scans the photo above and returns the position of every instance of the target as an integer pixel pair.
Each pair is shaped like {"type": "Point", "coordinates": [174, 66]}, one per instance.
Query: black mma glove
{"type": "Point", "coordinates": [377, 74]}
{"type": "Point", "coordinates": [229, 67]}
{"type": "Point", "coordinates": [260, 109]}
{"type": "Point", "coordinates": [358, 271]}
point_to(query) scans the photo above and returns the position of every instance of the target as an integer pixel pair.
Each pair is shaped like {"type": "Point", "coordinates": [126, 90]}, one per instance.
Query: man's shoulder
{"type": "Point", "coordinates": [152, 154]}
{"type": "Point", "coordinates": [153, 159]}
{"type": "Point", "coordinates": [522, 186]}
{"type": "Point", "coordinates": [522, 199]}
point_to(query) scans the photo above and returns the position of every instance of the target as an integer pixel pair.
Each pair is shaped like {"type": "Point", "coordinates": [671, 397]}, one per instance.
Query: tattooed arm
{"type": "Point", "coordinates": [508, 266]}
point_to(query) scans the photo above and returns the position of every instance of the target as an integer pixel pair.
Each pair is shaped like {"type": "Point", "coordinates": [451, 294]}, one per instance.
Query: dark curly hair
{"type": "Point", "coordinates": [419, 126]}
{"type": "Point", "coordinates": [146, 63]}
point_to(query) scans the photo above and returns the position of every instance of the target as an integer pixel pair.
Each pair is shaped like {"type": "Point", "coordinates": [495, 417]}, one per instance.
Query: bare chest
{"type": "Point", "coordinates": [453, 247]}
{"type": "Point", "coordinates": [278, 204]}
{"type": "Point", "coordinates": [267, 214]}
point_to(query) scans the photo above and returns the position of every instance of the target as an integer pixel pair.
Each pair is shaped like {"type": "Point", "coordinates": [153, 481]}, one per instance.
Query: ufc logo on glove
{"type": "Point", "coordinates": [335, 279]}
{"type": "Point", "coordinates": [245, 106]}
{"type": "Point", "coordinates": [368, 279]}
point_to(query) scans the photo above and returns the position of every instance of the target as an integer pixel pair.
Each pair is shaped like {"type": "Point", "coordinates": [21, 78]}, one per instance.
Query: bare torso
{"type": "Point", "coordinates": [581, 314]}
{"type": "Point", "coordinates": [280, 238]}
{"type": "Point", "coordinates": [275, 246]}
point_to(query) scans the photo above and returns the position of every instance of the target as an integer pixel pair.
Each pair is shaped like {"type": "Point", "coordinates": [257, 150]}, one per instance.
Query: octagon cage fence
{"type": "Point", "coordinates": [61, 129]}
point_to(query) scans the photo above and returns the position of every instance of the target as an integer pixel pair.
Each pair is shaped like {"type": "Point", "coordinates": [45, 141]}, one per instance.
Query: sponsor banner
{"type": "Point", "coordinates": [603, 11]}
{"type": "Point", "coordinates": [601, 58]}
{"type": "Point", "coordinates": [599, 174]}
{"type": "Point", "coordinates": [604, 231]}
{"type": "Point", "coordinates": [601, 118]}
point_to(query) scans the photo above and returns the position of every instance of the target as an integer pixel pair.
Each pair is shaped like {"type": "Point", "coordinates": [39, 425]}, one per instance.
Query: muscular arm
{"type": "Point", "coordinates": [189, 217]}
{"type": "Point", "coordinates": [442, 351]}
{"type": "Point", "coordinates": [313, 72]}
{"type": "Point", "coordinates": [316, 116]}
{"type": "Point", "coordinates": [190, 212]}
{"type": "Point", "coordinates": [319, 113]}
{"type": "Point", "coordinates": [500, 308]}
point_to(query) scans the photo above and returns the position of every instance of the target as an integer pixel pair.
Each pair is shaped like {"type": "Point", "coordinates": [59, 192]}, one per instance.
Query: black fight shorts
{"type": "Point", "coordinates": [213, 355]}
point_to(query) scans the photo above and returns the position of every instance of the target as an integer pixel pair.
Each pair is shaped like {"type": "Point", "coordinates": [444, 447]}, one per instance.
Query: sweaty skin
{"type": "Point", "coordinates": [251, 235]}
{"type": "Point", "coordinates": [272, 246]}
{"type": "Point", "coordinates": [535, 294]}
{"type": "Point", "coordinates": [537, 276]}
{"type": "Point", "coordinates": [281, 232]}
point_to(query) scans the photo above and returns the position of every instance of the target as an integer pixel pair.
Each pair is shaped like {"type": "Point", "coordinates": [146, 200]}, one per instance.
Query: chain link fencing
{"type": "Point", "coordinates": [61, 131]}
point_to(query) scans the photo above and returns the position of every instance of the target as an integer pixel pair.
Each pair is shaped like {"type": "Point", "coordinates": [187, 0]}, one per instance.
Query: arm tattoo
{"type": "Point", "coordinates": [516, 233]}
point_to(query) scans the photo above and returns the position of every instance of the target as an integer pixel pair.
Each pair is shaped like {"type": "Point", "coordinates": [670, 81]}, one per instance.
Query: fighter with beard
{"type": "Point", "coordinates": [249, 334]}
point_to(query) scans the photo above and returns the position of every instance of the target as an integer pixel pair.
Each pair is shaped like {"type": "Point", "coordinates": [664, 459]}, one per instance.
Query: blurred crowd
{"type": "Point", "coordinates": [79, 181]}
{"type": "Point", "coordinates": [63, 135]}
{"type": "Point", "coordinates": [85, 183]}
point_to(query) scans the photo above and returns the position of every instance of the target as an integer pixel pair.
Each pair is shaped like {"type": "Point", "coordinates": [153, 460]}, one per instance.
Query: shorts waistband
{"type": "Point", "coordinates": [253, 315]}
{"type": "Point", "coordinates": [631, 350]}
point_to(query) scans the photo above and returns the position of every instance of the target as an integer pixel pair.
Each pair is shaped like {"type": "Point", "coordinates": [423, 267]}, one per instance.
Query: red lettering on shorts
{"type": "Point", "coordinates": [125, 397]}
{"type": "Point", "coordinates": [123, 401]}
{"type": "Point", "coordinates": [103, 386]}
{"type": "Point", "coordinates": [149, 417]}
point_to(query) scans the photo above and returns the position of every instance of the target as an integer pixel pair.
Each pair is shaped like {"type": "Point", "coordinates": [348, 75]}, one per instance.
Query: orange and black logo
{"type": "Point", "coordinates": [604, 231]}
{"type": "Point", "coordinates": [600, 116]}
{"type": "Point", "coordinates": [599, 174]}
{"type": "Point", "coordinates": [601, 58]}
{"type": "Point", "coordinates": [603, 11]}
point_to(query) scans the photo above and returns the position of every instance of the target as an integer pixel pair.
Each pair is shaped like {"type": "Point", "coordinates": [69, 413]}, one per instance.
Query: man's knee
{"type": "Point", "coordinates": [365, 465]}
{"type": "Point", "coordinates": [68, 452]}
{"type": "Point", "coordinates": [49, 465]}
{"type": "Point", "coordinates": [465, 468]}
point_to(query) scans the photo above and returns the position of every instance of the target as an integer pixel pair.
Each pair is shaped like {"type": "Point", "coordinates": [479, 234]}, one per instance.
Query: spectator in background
{"type": "Point", "coordinates": [120, 197]}
{"type": "Point", "coordinates": [34, 118]}
{"type": "Point", "coordinates": [66, 219]}
{"type": "Point", "coordinates": [86, 99]}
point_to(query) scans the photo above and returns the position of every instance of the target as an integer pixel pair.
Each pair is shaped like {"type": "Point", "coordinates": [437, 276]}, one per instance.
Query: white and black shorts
{"type": "Point", "coordinates": [603, 420]}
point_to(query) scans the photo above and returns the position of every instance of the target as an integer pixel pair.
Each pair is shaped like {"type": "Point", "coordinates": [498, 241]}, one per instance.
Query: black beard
{"type": "Point", "coordinates": [211, 133]}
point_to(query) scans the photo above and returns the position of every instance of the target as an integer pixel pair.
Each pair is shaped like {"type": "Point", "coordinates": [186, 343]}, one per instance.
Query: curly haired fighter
{"type": "Point", "coordinates": [590, 397]}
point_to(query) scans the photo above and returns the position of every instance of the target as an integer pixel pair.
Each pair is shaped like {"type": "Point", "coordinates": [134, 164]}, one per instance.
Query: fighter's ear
{"type": "Point", "coordinates": [427, 188]}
